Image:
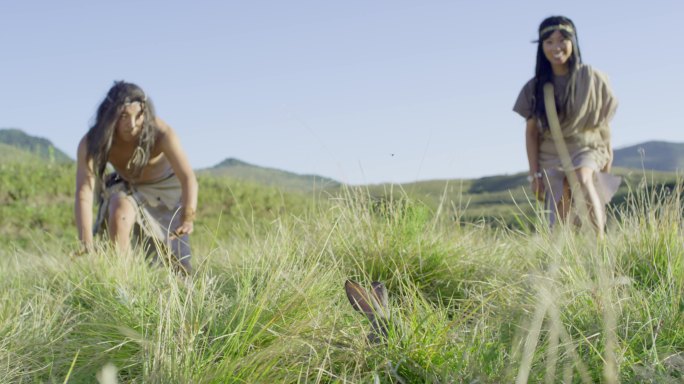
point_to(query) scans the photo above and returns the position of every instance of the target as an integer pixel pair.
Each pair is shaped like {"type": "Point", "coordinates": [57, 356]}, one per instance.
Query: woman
{"type": "Point", "coordinates": [153, 187]}
{"type": "Point", "coordinates": [585, 106]}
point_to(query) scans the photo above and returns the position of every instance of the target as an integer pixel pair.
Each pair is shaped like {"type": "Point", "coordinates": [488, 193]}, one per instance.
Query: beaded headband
{"type": "Point", "coordinates": [558, 27]}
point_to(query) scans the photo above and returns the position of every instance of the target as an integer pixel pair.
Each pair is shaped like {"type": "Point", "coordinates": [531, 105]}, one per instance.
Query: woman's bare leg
{"type": "Point", "coordinates": [585, 176]}
{"type": "Point", "coordinates": [563, 205]}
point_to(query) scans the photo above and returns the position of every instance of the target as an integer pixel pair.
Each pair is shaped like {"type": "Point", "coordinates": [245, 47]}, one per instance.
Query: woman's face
{"type": "Point", "coordinates": [557, 49]}
{"type": "Point", "coordinates": [130, 121]}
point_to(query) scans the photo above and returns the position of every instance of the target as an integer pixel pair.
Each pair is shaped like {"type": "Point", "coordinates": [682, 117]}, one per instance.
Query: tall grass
{"type": "Point", "coordinates": [469, 303]}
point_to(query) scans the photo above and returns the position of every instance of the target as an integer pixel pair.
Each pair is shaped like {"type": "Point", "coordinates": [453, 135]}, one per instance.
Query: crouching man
{"type": "Point", "coordinates": [151, 197]}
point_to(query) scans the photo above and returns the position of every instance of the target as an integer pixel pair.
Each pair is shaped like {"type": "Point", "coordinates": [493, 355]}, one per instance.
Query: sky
{"type": "Point", "coordinates": [363, 92]}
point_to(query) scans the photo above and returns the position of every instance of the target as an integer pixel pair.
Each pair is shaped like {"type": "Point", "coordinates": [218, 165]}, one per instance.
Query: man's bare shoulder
{"type": "Point", "coordinates": [83, 141]}
{"type": "Point", "coordinates": [83, 146]}
{"type": "Point", "coordinates": [162, 126]}
{"type": "Point", "coordinates": [164, 130]}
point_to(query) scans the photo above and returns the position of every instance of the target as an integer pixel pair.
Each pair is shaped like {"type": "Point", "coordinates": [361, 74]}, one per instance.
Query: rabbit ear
{"type": "Point", "coordinates": [359, 297]}
{"type": "Point", "coordinates": [380, 293]}
{"type": "Point", "coordinates": [373, 305]}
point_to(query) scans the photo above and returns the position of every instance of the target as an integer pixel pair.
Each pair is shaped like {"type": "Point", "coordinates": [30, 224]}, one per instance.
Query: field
{"type": "Point", "coordinates": [471, 302]}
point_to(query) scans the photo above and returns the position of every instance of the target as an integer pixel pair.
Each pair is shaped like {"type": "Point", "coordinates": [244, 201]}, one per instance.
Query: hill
{"type": "Point", "coordinates": [9, 153]}
{"type": "Point", "coordinates": [498, 196]}
{"type": "Point", "coordinates": [651, 155]}
{"type": "Point", "coordinates": [290, 181]}
{"type": "Point", "coordinates": [39, 146]}
{"type": "Point", "coordinates": [503, 199]}
{"type": "Point", "coordinates": [658, 156]}
{"type": "Point", "coordinates": [266, 303]}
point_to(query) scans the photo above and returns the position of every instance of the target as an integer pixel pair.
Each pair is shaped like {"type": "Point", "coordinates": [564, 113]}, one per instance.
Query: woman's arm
{"type": "Point", "coordinates": [83, 207]}
{"type": "Point", "coordinates": [171, 147]}
{"type": "Point", "coordinates": [605, 135]}
{"type": "Point", "coordinates": [532, 145]}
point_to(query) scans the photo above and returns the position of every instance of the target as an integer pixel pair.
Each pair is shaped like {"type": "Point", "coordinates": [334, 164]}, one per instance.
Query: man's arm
{"type": "Point", "coordinates": [83, 207]}
{"type": "Point", "coordinates": [171, 147]}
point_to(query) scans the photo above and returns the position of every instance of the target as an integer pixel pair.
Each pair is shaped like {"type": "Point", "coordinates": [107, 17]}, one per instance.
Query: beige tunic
{"type": "Point", "coordinates": [585, 126]}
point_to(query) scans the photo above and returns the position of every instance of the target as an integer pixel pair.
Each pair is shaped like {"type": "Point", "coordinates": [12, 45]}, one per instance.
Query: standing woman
{"type": "Point", "coordinates": [585, 106]}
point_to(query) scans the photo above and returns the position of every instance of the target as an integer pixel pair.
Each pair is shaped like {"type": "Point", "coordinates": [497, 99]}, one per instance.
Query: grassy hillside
{"type": "Point", "coordinates": [36, 203]}
{"type": "Point", "coordinates": [36, 199]}
{"type": "Point", "coordinates": [468, 304]}
{"type": "Point", "coordinates": [654, 156]}
{"type": "Point", "coordinates": [9, 153]}
{"type": "Point", "coordinates": [38, 146]}
{"type": "Point", "coordinates": [503, 200]}
{"type": "Point", "coordinates": [469, 301]}
{"type": "Point", "coordinates": [287, 181]}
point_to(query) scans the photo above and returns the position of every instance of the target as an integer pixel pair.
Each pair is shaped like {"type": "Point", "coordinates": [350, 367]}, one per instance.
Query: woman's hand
{"type": "Point", "coordinates": [538, 188]}
{"type": "Point", "coordinates": [606, 168]}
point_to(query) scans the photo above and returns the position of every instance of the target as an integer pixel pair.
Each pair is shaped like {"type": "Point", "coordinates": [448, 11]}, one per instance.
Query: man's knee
{"type": "Point", "coordinates": [121, 213]}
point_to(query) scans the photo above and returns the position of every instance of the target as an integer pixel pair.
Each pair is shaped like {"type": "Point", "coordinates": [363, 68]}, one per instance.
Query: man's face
{"type": "Point", "coordinates": [130, 121]}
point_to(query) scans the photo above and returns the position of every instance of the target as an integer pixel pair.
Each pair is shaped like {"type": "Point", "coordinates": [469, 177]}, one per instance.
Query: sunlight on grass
{"type": "Point", "coordinates": [468, 303]}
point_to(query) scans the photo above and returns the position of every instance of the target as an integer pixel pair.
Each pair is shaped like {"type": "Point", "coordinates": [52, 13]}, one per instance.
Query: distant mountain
{"type": "Point", "coordinates": [37, 146]}
{"type": "Point", "coordinates": [651, 155]}
{"type": "Point", "coordinates": [658, 156]}
{"type": "Point", "coordinates": [238, 169]}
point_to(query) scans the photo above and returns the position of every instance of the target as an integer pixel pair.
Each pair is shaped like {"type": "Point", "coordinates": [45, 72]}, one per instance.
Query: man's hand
{"type": "Point", "coordinates": [185, 228]}
{"type": "Point", "coordinates": [84, 249]}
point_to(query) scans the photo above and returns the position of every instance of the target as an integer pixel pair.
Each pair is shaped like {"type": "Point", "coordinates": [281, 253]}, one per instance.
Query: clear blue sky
{"type": "Point", "coordinates": [360, 91]}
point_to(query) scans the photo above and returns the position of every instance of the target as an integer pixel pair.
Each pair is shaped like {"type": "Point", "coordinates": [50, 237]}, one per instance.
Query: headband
{"type": "Point", "coordinates": [558, 27]}
{"type": "Point", "coordinates": [127, 102]}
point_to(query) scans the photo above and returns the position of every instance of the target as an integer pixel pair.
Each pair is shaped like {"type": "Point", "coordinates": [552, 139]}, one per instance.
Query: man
{"type": "Point", "coordinates": [153, 188]}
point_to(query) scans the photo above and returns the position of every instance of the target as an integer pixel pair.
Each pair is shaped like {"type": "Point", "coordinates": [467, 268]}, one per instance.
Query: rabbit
{"type": "Point", "coordinates": [372, 304]}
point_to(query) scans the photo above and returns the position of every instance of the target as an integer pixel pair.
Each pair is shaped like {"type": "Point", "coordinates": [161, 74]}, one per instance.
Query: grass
{"type": "Point", "coordinates": [470, 302]}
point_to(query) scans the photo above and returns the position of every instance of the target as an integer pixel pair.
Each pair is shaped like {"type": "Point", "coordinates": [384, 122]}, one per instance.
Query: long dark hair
{"type": "Point", "coordinates": [543, 72]}
{"type": "Point", "coordinates": [101, 134]}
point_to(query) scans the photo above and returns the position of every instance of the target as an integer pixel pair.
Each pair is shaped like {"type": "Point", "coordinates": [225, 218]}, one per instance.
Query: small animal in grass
{"type": "Point", "coordinates": [373, 304]}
